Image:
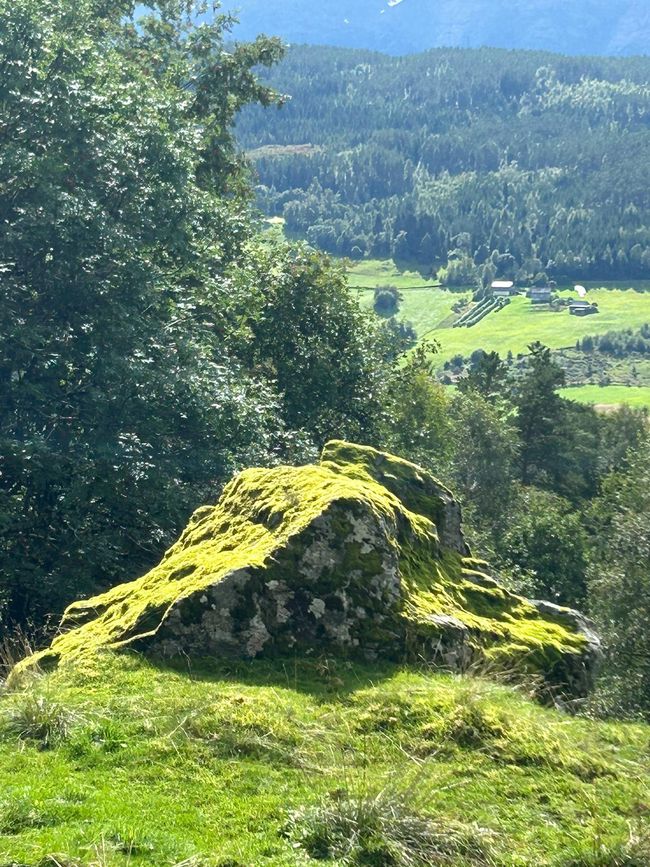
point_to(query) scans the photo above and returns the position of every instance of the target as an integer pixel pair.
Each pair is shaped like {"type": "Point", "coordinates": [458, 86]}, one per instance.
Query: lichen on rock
{"type": "Point", "coordinates": [361, 554]}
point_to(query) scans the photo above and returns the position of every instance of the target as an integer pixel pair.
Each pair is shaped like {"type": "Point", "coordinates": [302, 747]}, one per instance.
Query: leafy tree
{"type": "Point", "coordinates": [121, 405]}
{"type": "Point", "coordinates": [487, 375]}
{"type": "Point", "coordinates": [540, 415]}
{"type": "Point", "coordinates": [545, 543]}
{"type": "Point", "coordinates": [417, 422]}
{"type": "Point", "coordinates": [386, 300]}
{"type": "Point", "coordinates": [619, 584]}
{"type": "Point", "coordinates": [327, 358]}
{"type": "Point", "coordinates": [483, 467]}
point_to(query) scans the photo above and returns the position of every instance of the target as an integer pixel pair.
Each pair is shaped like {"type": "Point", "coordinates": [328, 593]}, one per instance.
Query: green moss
{"type": "Point", "coordinates": [267, 519]}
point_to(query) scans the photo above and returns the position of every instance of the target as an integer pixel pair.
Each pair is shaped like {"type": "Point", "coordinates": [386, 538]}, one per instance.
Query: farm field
{"type": "Point", "coordinates": [424, 308]}
{"type": "Point", "coordinates": [370, 273]}
{"type": "Point", "coordinates": [428, 307]}
{"type": "Point", "coordinates": [515, 327]}
{"type": "Point", "coordinates": [609, 395]}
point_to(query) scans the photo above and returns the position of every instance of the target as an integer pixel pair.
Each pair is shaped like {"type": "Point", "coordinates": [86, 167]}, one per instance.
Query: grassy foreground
{"type": "Point", "coordinates": [239, 764]}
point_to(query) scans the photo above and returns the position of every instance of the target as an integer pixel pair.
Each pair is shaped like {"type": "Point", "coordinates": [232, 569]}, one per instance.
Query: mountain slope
{"type": "Point", "coordinates": [578, 27]}
{"type": "Point", "coordinates": [518, 162]}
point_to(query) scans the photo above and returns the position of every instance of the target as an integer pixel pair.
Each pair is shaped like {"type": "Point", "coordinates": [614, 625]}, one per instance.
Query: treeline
{"type": "Point", "coordinates": [620, 344]}
{"type": "Point", "coordinates": [520, 165]}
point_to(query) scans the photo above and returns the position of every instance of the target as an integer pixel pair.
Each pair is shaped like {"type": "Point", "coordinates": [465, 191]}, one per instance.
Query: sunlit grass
{"type": "Point", "coordinates": [157, 765]}
{"type": "Point", "coordinates": [609, 395]}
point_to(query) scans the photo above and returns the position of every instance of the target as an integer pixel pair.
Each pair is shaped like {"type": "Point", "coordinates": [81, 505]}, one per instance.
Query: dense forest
{"type": "Point", "coordinates": [477, 163]}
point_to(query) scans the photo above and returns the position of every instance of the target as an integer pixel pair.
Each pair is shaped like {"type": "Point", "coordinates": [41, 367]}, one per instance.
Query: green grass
{"type": "Point", "coordinates": [521, 323]}
{"type": "Point", "coordinates": [609, 395]}
{"type": "Point", "coordinates": [369, 273]}
{"type": "Point", "coordinates": [262, 762]}
{"type": "Point", "coordinates": [429, 308]}
{"type": "Point", "coordinates": [425, 309]}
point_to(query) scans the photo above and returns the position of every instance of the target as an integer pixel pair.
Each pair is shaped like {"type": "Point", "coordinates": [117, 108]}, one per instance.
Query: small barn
{"type": "Point", "coordinates": [503, 289]}
{"type": "Point", "coordinates": [541, 295]}
{"type": "Point", "coordinates": [582, 308]}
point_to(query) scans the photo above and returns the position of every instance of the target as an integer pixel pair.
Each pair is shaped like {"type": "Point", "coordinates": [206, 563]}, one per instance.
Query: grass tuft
{"type": "Point", "coordinates": [37, 717]}
{"type": "Point", "coordinates": [384, 830]}
{"type": "Point", "coordinates": [16, 645]}
{"type": "Point", "coordinates": [18, 814]}
{"type": "Point", "coordinates": [633, 852]}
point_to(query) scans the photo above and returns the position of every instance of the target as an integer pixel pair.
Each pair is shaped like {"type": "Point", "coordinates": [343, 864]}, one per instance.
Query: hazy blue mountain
{"type": "Point", "coordinates": [404, 26]}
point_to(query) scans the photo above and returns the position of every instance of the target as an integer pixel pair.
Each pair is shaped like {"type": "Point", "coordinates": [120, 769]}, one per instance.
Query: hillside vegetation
{"type": "Point", "coordinates": [129, 762]}
{"type": "Point", "coordinates": [164, 364]}
{"type": "Point", "coordinates": [406, 26]}
{"type": "Point", "coordinates": [519, 165]}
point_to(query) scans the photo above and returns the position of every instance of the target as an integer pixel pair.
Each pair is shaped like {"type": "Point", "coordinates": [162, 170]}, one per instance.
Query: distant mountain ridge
{"type": "Point", "coordinates": [609, 27]}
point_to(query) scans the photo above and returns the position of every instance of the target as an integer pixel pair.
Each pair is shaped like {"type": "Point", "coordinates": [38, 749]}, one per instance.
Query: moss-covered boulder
{"type": "Point", "coordinates": [360, 554]}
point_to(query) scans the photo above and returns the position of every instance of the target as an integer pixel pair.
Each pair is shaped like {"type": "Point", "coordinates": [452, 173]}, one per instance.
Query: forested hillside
{"type": "Point", "coordinates": [511, 164]}
{"type": "Point", "coordinates": [406, 26]}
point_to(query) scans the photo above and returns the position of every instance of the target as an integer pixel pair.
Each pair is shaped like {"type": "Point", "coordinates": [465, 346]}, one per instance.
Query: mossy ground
{"type": "Point", "coordinates": [124, 761]}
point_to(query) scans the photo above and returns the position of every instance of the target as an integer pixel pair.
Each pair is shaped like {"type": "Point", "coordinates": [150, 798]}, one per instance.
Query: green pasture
{"type": "Point", "coordinates": [520, 323]}
{"type": "Point", "coordinates": [609, 395]}
{"type": "Point", "coordinates": [370, 273]}
{"type": "Point", "coordinates": [424, 308]}
{"type": "Point", "coordinates": [428, 307]}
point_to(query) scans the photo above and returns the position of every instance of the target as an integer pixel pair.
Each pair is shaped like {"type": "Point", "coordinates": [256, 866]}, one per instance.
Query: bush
{"type": "Point", "coordinates": [387, 300]}
{"type": "Point", "coordinates": [382, 830]}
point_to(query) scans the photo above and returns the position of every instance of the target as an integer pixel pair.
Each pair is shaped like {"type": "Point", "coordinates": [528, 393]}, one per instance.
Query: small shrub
{"type": "Point", "coordinates": [37, 717]}
{"type": "Point", "coordinates": [17, 815]}
{"type": "Point", "coordinates": [381, 831]}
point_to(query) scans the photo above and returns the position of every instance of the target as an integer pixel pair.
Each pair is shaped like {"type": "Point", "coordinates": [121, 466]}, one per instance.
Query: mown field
{"type": "Point", "coordinates": [125, 762]}
{"type": "Point", "coordinates": [428, 307]}
{"type": "Point", "coordinates": [609, 395]}
{"type": "Point", "coordinates": [370, 273]}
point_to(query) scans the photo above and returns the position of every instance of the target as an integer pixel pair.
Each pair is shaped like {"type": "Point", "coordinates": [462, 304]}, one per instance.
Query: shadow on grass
{"type": "Point", "coordinates": [322, 676]}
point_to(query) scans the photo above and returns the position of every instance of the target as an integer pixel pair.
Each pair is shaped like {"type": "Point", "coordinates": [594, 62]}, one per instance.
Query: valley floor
{"type": "Point", "coordinates": [128, 762]}
{"type": "Point", "coordinates": [429, 308]}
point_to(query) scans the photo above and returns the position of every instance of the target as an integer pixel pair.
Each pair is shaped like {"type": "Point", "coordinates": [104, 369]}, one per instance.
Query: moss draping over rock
{"type": "Point", "coordinates": [362, 553]}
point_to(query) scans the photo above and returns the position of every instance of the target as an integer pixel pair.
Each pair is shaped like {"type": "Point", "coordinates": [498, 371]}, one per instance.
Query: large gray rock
{"type": "Point", "coordinates": [360, 554]}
